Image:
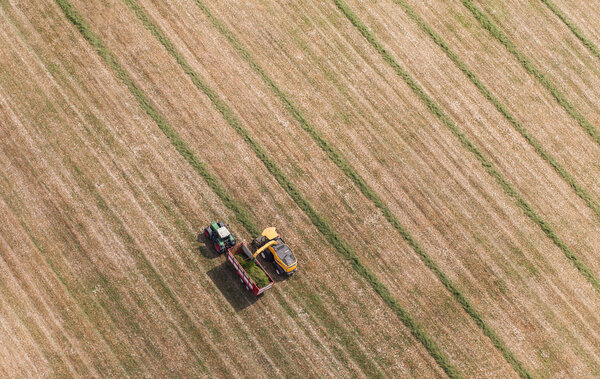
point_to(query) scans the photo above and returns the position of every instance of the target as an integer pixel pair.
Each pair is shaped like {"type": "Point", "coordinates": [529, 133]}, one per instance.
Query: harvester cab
{"type": "Point", "coordinates": [221, 237]}
{"type": "Point", "coordinates": [271, 247]}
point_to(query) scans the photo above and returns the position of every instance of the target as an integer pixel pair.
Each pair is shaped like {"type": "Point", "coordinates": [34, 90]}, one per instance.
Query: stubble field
{"type": "Point", "coordinates": [433, 166]}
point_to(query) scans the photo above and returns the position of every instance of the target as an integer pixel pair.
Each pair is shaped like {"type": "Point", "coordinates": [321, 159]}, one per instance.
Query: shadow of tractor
{"type": "Point", "coordinates": [228, 282]}
{"type": "Point", "coordinates": [205, 246]}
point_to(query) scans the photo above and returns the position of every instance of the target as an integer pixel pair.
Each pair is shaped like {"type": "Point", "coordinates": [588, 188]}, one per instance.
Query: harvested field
{"type": "Point", "coordinates": [440, 196]}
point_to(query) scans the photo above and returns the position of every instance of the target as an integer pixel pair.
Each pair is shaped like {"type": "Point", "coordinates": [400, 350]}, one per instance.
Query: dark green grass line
{"type": "Point", "coordinates": [75, 17]}
{"type": "Point", "coordinates": [581, 192]}
{"type": "Point", "coordinates": [498, 34]}
{"type": "Point", "coordinates": [351, 173]}
{"type": "Point", "coordinates": [576, 31]}
{"type": "Point", "coordinates": [486, 163]}
{"type": "Point", "coordinates": [323, 226]}
{"type": "Point", "coordinates": [487, 330]}
{"type": "Point", "coordinates": [489, 166]}
{"type": "Point", "coordinates": [241, 214]}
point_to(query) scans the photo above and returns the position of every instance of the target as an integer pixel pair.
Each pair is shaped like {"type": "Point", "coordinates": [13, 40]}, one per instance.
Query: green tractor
{"type": "Point", "coordinates": [220, 236]}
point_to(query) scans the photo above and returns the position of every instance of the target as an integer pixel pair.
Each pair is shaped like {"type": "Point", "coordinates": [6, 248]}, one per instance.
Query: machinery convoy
{"type": "Point", "coordinates": [269, 245]}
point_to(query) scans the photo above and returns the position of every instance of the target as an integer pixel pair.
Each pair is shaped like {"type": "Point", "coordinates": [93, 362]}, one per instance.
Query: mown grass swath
{"type": "Point", "coordinates": [581, 192]}
{"type": "Point", "coordinates": [367, 191]}
{"type": "Point", "coordinates": [498, 34]}
{"type": "Point", "coordinates": [578, 33]}
{"type": "Point", "coordinates": [75, 17]}
{"type": "Point", "coordinates": [486, 163]}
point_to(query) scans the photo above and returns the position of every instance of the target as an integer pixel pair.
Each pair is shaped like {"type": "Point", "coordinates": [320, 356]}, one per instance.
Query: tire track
{"type": "Point", "coordinates": [243, 216]}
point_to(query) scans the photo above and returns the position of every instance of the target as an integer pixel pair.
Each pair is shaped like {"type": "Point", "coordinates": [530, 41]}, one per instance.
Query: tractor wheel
{"type": "Point", "coordinates": [217, 248]}
{"type": "Point", "coordinates": [220, 224]}
{"type": "Point", "coordinates": [206, 233]}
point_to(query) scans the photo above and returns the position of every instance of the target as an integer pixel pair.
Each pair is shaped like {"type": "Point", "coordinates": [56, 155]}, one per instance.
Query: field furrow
{"type": "Point", "coordinates": [159, 104]}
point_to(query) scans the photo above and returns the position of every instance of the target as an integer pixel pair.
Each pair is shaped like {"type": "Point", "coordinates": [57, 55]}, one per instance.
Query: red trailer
{"type": "Point", "coordinates": [241, 250]}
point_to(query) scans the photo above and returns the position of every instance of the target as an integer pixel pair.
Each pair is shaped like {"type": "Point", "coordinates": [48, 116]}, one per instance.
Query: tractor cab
{"type": "Point", "coordinates": [220, 236]}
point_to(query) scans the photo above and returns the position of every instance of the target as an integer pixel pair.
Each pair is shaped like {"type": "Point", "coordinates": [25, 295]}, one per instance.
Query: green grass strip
{"type": "Point", "coordinates": [323, 226]}
{"type": "Point", "coordinates": [581, 192]}
{"type": "Point", "coordinates": [367, 191]}
{"type": "Point", "coordinates": [578, 33]}
{"type": "Point", "coordinates": [486, 163]}
{"type": "Point", "coordinates": [242, 215]}
{"type": "Point", "coordinates": [495, 31]}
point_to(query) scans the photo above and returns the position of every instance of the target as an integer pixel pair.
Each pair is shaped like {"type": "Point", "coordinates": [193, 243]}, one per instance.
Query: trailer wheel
{"type": "Point", "coordinates": [247, 289]}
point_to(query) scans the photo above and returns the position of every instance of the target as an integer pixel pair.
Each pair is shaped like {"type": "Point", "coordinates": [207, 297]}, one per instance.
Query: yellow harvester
{"type": "Point", "coordinates": [271, 247]}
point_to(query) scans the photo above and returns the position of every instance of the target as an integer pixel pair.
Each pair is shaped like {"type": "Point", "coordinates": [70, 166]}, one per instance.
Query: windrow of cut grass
{"type": "Point", "coordinates": [518, 126]}
{"type": "Point", "coordinates": [67, 129]}
{"type": "Point", "coordinates": [75, 17]}
{"type": "Point", "coordinates": [367, 191]}
{"type": "Point", "coordinates": [493, 29]}
{"type": "Point", "coordinates": [343, 332]}
{"type": "Point", "coordinates": [485, 161]}
{"type": "Point", "coordinates": [90, 309]}
{"type": "Point", "coordinates": [571, 25]}
{"type": "Point", "coordinates": [146, 267]}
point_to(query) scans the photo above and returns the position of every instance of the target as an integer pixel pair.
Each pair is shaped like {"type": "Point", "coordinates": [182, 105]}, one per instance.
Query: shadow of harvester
{"type": "Point", "coordinates": [228, 282]}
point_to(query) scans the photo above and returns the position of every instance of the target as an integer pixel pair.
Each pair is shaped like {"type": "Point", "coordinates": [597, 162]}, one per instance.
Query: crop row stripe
{"type": "Point", "coordinates": [576, 31]}
{"type": "Point", "coordinates": [75, 17]}
{"type": "Point", "coordinates": [495, 31]}
{"type": "Point", "coordinates": [367, 191]}
{"type": "Point", "coordinates": [242, 215]}
{"type": "Point", "coordinates": [579, 190]}
{"type": "Point", "coordinates": [253, 229]}
{"type": "Point", "coordinates": [487, 164]}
